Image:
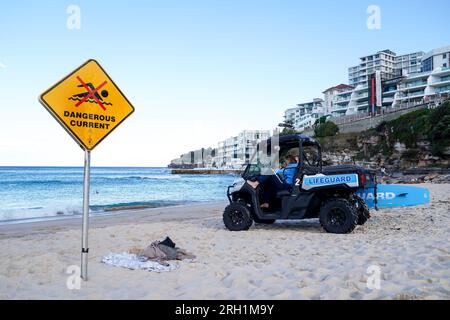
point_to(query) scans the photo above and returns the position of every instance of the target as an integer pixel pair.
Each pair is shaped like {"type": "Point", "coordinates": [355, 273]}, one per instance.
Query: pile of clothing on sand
{"type": "Point", "coordinates": [156, 257]}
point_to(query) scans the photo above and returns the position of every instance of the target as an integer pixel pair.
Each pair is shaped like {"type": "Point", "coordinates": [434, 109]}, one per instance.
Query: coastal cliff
{"type": "Point", "coordinates": [418, 140]}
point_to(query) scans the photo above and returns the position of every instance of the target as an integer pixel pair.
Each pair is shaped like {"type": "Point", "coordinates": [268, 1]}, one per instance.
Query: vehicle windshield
{"type": "Point", "coordinates": [262, 164]}
{"type": "Point", "coordinates": [270, 162]}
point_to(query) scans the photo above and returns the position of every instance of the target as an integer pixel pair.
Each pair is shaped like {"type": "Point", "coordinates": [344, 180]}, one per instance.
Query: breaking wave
{"type": "Point", "coordinates": [45, 213]}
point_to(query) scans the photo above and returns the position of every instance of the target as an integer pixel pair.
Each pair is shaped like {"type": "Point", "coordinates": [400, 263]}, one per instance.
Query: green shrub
{"type": "Point", "coordinates": [439, 133]}
{"type": "Point", "coordinates": [409, 128]}
{"type": "Point", "coordinates": [327, 129]}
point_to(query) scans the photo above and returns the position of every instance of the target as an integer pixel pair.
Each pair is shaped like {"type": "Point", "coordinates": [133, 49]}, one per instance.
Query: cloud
{"type": "Point", "coordinates": [2, 66]}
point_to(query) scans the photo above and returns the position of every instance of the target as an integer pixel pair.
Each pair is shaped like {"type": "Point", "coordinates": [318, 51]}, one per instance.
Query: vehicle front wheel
{"type": "Point", "coordinates": [338, 215]}
{"type": "Point", "coordinates": [236, 217]}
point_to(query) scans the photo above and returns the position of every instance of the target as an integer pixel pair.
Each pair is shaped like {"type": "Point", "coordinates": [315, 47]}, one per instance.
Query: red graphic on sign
{"type": "Point", "coordinates": [91, 93]}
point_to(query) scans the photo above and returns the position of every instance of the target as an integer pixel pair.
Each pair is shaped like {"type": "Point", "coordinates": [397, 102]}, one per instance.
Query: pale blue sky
{"type": "Point", "coordinates": [197, 71]}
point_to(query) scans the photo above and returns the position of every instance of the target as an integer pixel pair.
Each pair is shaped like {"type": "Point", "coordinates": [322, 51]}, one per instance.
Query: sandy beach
{"type": "Point", "coordinates": [288, 260]}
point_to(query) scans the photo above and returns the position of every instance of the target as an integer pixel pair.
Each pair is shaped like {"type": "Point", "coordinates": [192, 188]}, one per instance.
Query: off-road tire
{"type": "Point", "coordinates": [363, 210]}
{"type": "Point", "coordinates": [236, 217]}
{"type": "Point", "coordinates": [338, 215]}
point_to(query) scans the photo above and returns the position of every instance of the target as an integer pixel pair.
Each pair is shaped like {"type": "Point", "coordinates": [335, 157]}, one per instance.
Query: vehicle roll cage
{"type": "Point", "coordinates": [293, 141]}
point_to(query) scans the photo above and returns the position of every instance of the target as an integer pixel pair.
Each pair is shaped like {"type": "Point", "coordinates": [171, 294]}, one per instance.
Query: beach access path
{"type": "Point", "coordinates": [407, 247]}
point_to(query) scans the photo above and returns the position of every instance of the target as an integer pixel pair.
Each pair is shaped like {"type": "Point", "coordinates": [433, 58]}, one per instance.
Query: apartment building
{"type": "Point", "coordinates": [422, 87]}
{"type": "Point", "coordinates": [436, 58]}
{"type": "Point", "coordinates": [331, 97]}
{"type": "Point", "coordinates": [304, 115]}
{"type": "Point", "coordinates": [237, 151]}
{"type": "Point", "coordinates": [383, 61]}
{"type": "Point", "coordinates": [409, 63]}
{"type": "Point", "coordinates": [411, 90]}
{"type": "Point", "coordinates": [417, 77]}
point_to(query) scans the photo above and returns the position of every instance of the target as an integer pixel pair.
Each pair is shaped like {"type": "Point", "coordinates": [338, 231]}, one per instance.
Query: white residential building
{"type": "Point", "coordinates": [409, 63]}
{"type": "Point", "coordinates": [414, 89]}
{"type": "Point", "coordinates": [383, 61]}
{"type": "Point", "coordinates": [422, 87]}
{"type": "Point", "coordinates": [346, 101]}
{"type": "Point", "coordinates": [331, 97]}
{"type": "Point", "coordinates": [305, 114]}
{"type": "Point", "coordinates": [416, 77]}
{"type": "Point", "coordinates": [436, 58]}
{"type": "Point", "coordinates": [237, 151]}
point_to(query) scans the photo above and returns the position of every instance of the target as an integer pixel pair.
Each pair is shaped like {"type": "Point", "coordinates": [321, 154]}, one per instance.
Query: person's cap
{"type": "Point", "coordinates": [294, 152]}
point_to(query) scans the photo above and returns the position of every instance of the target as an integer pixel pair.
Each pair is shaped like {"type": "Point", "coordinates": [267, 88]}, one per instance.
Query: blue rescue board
{"type": "Point", "coordinates": [391, 195]}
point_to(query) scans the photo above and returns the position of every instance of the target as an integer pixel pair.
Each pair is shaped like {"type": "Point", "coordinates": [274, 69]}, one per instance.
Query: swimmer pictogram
{"type": "Point", "coordinates": [91, 95]}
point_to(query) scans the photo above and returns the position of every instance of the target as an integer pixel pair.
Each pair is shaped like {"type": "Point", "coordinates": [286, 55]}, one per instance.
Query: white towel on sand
{"type": "Point", "coordinates": [134, 262]}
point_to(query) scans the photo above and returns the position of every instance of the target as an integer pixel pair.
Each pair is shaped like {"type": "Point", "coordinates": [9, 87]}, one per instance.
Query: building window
{"type": "Point", "coordinates": [427, 65]}
{"type": "Point", "coordinates": [444, 56]}
{"type": "Point", "coordinates": [445, 65]}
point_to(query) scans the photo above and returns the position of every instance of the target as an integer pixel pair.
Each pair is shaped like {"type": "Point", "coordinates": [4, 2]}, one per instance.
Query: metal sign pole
{"type": "Point", "coordinates": [84, 241]}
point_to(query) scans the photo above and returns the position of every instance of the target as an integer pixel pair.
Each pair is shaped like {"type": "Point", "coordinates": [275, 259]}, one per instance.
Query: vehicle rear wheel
{"type": "Point", "coordinates": [236, 217]}
{"type": "Point", "coordinates": [363, 210]}
{"type": "Point", "coordinates": [338, 215]}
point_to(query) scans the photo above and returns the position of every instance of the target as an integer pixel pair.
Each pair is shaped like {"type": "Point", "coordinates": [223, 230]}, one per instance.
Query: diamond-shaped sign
{"type": "Point", "coordinates": [88, 104]}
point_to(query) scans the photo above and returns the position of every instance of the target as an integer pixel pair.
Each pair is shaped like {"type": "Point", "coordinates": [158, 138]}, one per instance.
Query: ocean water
{"type": "Point", "coordinates": [43, 192]}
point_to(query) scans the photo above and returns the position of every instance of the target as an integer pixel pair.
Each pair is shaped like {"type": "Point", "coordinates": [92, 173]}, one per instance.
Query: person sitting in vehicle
{"type": "Point", "coordinates": [282, 180]}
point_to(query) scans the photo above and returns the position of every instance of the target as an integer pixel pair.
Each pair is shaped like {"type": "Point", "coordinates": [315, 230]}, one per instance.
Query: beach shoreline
{"type": "Point", "coordinates": [114, 217]}
{"type": "Point", "coordinates": [287, 260]}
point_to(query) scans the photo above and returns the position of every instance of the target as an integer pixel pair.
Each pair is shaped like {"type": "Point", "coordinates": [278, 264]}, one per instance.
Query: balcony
{"type": "Point", "coordinates": [362, 88]}
{"type": "Point", "coordinates": [339, 108]}
{"type": "Point", "coordinates": [443, 81]}
{"type": "Point", "coordinates": [441, 71]}
{"type": "Point", "coordinates": [360, 104]}
{"type": "Point", "coordinates": [362, 96]}
{"type": "Point", "coordinates": [342, 101]}
{"type": "Point", "coordinates": [413, 85]}
{"type": "Point", "coordinates": [445, 89]}
{"type": "Point", "coordinates": [412, 95]}
{"type": "Point", "coordinates": [419, 75]}
{"type": "Point", "coordinates": [363, 107]}
{"type": "Point", "coordinates": [390, 92]}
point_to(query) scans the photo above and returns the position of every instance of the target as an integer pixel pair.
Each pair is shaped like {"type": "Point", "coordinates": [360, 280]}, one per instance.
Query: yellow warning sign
{"type": "Point", "coordinates": [88, 104]}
